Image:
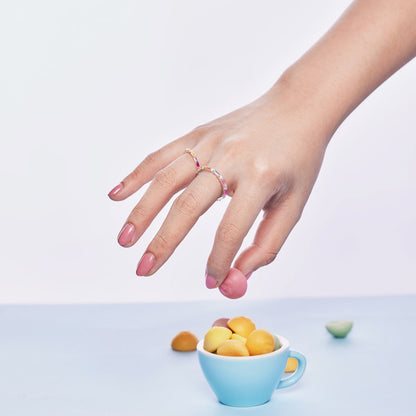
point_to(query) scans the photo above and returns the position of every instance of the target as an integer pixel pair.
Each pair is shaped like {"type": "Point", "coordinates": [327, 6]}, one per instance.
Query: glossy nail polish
{"type": "Point", "coordinates": [116, 190]}
{"type": "Point", "coordinates": [126, 234]}
{"type": "Point", "coordinates": [145, 264]}
{"type": "Point", "coordinates": [210, 282]}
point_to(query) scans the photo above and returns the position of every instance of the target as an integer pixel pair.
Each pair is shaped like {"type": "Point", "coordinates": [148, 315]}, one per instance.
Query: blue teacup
{"type": "Point", "coordinates": [249, 381]}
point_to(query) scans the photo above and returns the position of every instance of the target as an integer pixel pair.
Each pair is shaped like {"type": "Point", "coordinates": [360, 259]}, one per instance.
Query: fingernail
{"type": "Point", "coordinates": [126, 234]}
{"type": "Point", "coordinates": [210, 282]}
{"type": "Point", "coordinates": [116, 190]}
{"type": "Point", "coordinates": [145, 264]}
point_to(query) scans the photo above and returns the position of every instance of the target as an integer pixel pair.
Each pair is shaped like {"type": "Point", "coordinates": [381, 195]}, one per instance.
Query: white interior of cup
{"type": "Point", "coordinates": [283, 341]}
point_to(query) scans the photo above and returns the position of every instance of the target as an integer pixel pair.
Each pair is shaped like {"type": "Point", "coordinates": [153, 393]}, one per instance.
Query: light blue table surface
{"type": "Point", "coordinates": [100, 360]}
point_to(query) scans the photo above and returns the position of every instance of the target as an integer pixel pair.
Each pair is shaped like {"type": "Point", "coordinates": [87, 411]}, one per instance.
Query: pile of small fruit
{"type": "Point", "coordinates": [238, 337]}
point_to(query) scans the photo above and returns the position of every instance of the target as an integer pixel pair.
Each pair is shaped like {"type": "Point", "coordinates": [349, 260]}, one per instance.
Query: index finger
{"type": "Point", "coordinates": [148, 168]}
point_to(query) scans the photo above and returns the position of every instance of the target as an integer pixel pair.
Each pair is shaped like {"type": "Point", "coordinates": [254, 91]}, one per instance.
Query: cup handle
{"type": "Point", "coordinates": [295, 377]}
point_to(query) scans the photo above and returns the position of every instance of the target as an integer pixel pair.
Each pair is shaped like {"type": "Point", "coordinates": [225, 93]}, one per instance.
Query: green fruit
{"type": "Point", "coordinates": [339, 329]}
{"type": "Point", "coordinates": [277, 343]}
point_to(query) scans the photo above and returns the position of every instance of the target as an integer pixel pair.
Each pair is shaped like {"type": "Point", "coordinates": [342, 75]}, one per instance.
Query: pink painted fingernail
{"type": "Point", "coordinates": [210, 282]}
{"type": "Point", "coordinates": [116, 190]}
{"type": "Point", "coordinates": [145, 264]}
{"type": "Point", "coordinates": [126, 234]}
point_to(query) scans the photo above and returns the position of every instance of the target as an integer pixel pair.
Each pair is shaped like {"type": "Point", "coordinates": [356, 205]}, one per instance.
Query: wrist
{"type": "Point", "coordinates": [298, 96]}
{"type": "Point", "coordinates": [371, 40]}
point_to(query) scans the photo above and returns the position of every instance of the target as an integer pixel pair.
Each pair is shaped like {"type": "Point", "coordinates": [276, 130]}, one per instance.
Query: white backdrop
{"type": "Point", "coordinates": [89, 87]}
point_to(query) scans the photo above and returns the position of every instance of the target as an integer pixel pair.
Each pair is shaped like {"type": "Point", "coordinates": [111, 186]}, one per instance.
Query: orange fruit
{"type": "Point", "coordinates": [241, 325]}
{"type": "Point", "coordinates": [260, 342]}
{"type": "Point", "coordinates": [184, 341]}
{"type": "Point", "coordinates": [291, 365]}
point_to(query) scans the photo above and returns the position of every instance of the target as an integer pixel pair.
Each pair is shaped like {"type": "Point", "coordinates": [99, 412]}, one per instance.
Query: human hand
{"type": "Point", "coordinates": [269, 153]}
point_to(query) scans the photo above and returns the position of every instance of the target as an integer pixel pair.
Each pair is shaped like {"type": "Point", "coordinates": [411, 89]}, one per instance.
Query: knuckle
{"type": "Point", "coordinates": [263, 171]}
{"type": "Point", "coordinates": [265, 255]}
{"type": "Point", "coordinates": [200, 130]}
{"type": "Point", "coordinates": [137, 174]}
{"type": "Point", "coordinates": [148, 163]}
{"type": "Point", "coordinates": [294, 206]}
{"type": "Point", "coordinates": [187, 204]}
{"type": "Point", "coordinates": [228, 233]}
{"type": "Point", "coordinates": [162, 242]}
{"type": "Point", "coordinates": [151, 158]}
{"type": "Point", "coordinates": [138, 213]}
{"type": "Point", "coordinates": [165, 178]}
{"type": "Point", "coordinates": [269, 257]}
{"type": "Point", "coordinates": [231, 148]}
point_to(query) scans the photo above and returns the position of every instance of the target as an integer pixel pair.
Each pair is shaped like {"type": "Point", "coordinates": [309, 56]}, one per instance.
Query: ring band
{"type": "Point", "coordinates": [190, 152]}
{"type": "Point", "coordinates": [219, 177]}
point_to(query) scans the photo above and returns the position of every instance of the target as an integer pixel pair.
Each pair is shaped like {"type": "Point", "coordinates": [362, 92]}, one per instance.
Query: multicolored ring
{"type": "Point", "coordinates": [189, 151]}
{"type": "Point", "coordinates": [219, 177]}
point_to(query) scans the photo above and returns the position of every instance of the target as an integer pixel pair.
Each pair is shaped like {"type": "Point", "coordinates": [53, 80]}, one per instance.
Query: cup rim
{"type": "Point", "coordinates": [283, 341]}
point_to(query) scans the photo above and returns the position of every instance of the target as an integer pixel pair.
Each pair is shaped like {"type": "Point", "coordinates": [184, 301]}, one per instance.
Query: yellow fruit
{"type": "Point", "coordinates": [241, 325]}
{"type": "Point", "coordinates": [259, 342]}
{"type": "Point", "coordinates": [239, 338]}
{"type": "Point", "coordinates": [184, 341]}
{"type": "Point", "coordinates": [291, 365]}
{"type": "Point", "coordinates": [233, 348]}
{"type": "Point", "coordinates": [216, 336]}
